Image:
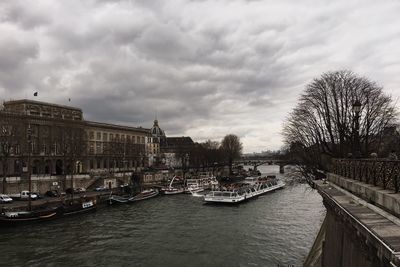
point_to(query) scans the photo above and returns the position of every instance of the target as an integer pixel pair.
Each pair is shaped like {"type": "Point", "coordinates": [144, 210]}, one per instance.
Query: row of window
{"type": "Point", "coordinates": [107, 164]}
{"type": "Point", "coordinates": [60, 148]}
{"type": "Point", "coordinates": [111, 137]}
{"type": "Point", "coordinates": [56, 148]}
{"type": "Point", "coordinates": [110, 148]}
{"type": "Point", "coordinates": [47, 167]}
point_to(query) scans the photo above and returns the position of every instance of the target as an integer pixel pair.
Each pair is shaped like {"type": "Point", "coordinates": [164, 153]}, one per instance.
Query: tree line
{"type": "Point", "coordinates": [210, 154]}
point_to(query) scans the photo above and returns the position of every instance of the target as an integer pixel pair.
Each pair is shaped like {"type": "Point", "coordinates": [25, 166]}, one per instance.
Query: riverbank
{"type": "Point", "coordinates": [101, 198]}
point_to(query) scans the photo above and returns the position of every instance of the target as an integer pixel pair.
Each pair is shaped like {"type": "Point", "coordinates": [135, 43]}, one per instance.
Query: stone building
{"type": "Point", "coordinates": [59, 141]}
{"type": "Point", "coordinates": [176, 151]}
{"type": "Point", "coordinates": [168, 151]}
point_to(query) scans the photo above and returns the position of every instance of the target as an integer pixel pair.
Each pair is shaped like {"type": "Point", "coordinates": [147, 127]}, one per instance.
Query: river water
{"type": "Point", "coordinates": [276, 228]}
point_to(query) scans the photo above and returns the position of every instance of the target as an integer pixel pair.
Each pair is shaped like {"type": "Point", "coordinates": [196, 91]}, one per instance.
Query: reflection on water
{"type": "Point", "coordinates": [175, 230]}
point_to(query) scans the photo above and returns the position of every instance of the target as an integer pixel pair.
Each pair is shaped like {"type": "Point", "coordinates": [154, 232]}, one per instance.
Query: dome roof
{"type": "Point", "coordinates": [156, 130]}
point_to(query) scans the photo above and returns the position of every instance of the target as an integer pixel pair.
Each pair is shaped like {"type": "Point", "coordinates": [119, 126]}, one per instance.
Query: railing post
{"type": "Point", "coordinates": [392, 178]}
{"type": "Point", "coordinates": [384, 176]}
{"type": "Point", "coordinates": [374, 174]}
{"type": "Point", "coordinates": [396, 176]}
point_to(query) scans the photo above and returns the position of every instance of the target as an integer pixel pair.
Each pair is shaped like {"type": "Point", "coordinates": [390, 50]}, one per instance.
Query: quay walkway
{"type": "Point", "coordinates": [362, 225]}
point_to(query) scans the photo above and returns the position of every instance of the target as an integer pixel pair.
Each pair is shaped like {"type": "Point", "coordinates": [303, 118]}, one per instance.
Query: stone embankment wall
{"type": "Point", "coordinates": [375, 195]}
{"type": "Point", "coordinates": [41, 184]}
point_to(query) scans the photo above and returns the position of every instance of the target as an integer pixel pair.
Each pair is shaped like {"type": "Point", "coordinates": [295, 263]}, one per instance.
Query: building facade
{"type": "Point", "coordinates": [176, 151]}
{"type": "Point", "coordinates": [115, 148]}
{"type": "Point", "coordinates": [56, 140]}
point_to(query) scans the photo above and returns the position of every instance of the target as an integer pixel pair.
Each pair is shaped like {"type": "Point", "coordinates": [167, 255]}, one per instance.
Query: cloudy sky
{"type": "Point", "coordinates": [208, 68]}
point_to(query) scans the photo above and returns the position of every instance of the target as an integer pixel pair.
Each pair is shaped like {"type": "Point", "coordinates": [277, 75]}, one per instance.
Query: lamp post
{"type": "Point", "coordinates": [356, 141]}
{"type": "Point", "coordinates": [214, 166]}
{"type": "Point", "coordinates": [29, 137]}
{"type": "Point", "coordinates": [187, 163]}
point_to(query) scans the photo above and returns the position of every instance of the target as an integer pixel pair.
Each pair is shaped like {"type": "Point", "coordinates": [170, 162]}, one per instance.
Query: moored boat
{"type": "Point", "coordinates": [172, 190]}
{"type": "Point", "coordinates": [78, 207]}
{"type": "Point", "coordinates": [149, 193]}
{"type": "Point", "coordinates": [194, 189]}
{"type": "Point", "coordinates": [194, 186]}
{"type": "Point", "coordinates": [115, 199]}
{"type": "Point", "coordinates": [22, 217]}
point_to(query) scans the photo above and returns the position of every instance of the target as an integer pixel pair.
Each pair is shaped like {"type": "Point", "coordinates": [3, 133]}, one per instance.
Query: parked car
{"type": "Point", "coordinates": [101, 188]}
{"type": "Point", "coordinates": [5, 199]}
{"type": "Point", "coordinates": [77, 190]}
{"type": "Point", "coordinates": [52, 193]}
{"type": "Point", "coordinates": [24, 195]}
{"type": "Point", "coordinates": [38, 195]}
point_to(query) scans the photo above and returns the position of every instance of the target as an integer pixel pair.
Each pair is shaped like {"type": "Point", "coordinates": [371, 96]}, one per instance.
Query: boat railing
{"type": "Point", "coordinates": [224, 194]}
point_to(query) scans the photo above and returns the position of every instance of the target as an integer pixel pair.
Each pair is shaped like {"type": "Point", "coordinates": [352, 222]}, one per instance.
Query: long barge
{"type": "Point", "coordinates": [240, 192]}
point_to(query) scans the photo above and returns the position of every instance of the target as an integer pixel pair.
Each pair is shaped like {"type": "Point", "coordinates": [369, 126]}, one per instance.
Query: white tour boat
{"type": "Point", "coordinates": [170, 190]}
{"type": "Point", "coordinates": [237, 193]}
{"type": "Point", "coordinates": [193, 186]}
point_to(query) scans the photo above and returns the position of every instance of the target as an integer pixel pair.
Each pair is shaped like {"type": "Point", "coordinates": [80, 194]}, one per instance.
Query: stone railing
{"type": "Point", "coordinates": [378, 172]}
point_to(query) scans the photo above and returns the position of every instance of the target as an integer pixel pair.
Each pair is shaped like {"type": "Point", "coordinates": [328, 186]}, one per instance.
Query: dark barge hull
{"type": "Point", "coordinates": [21, 218]}
{"type": "Point", "coordinates": [116, 200]}
{"type": "Point", "coordinates": [14, 218]}
{"type": "Point", "coordinates": [77, 210]}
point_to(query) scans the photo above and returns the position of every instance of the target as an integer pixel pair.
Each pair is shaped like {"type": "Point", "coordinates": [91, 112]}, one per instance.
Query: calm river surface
{"type": "Point", "coordinates": [276, 228]}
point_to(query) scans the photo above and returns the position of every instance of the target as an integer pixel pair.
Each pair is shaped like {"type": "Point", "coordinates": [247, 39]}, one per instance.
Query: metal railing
{"type": "Point", "coordinates": [378, 172]}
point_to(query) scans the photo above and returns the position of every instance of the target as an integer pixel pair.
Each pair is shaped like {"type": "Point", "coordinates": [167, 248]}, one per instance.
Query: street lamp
{"type": "Point", "coordinates": [356, 141]}
{"type": "Point", "coordinates": [214, 166]}
{"type": "Point", "coordinates": [29, 139]}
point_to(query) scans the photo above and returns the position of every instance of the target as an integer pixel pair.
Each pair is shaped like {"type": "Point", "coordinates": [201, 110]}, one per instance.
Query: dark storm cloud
{"type": "Point", "coordinates": [207, 68]}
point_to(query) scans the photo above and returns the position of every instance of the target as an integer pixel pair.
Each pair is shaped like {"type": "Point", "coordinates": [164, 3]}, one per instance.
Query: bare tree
{"type": "Point", "coordinates": [71, 143]}
{"type": "Point", "coordinates": [6, 143]}
{"type": "Point", "coordinates": [232, 149]}
{"type": "Point", "coordinates": [11, 137]}
{"type": "Point", "coordinates": [198, 156]}
{"type": "Point", "coordinates": [324, 123]}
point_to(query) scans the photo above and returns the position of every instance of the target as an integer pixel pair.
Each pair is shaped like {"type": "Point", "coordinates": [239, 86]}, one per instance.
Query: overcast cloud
{"type": "Point", "coordinates": [208, 68]}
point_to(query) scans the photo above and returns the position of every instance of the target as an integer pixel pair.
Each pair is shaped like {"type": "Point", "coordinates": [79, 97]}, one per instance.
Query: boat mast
{"type": "Point", "coordinates": [124, 159]}
{"type": "Point", "coordinates": [170, 184]}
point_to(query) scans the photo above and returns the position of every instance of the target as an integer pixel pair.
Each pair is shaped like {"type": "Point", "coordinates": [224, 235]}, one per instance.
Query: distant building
{"type": "Point", "coordinates": [156, 137]}
{"type": "Point", "coordinates": [176, 151]}
{"type": "Point", "coordinates": [168, 151]}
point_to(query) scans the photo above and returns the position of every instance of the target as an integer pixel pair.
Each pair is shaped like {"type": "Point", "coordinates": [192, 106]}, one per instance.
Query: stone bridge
{"type": "Point", "coordinates": [362, 225]}
{"type": "Point", "coordinates": [255, 162]}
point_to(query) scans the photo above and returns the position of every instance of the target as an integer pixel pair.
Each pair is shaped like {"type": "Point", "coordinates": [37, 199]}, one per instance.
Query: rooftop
{"type": "Point", "coordinates": [29, 101]}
